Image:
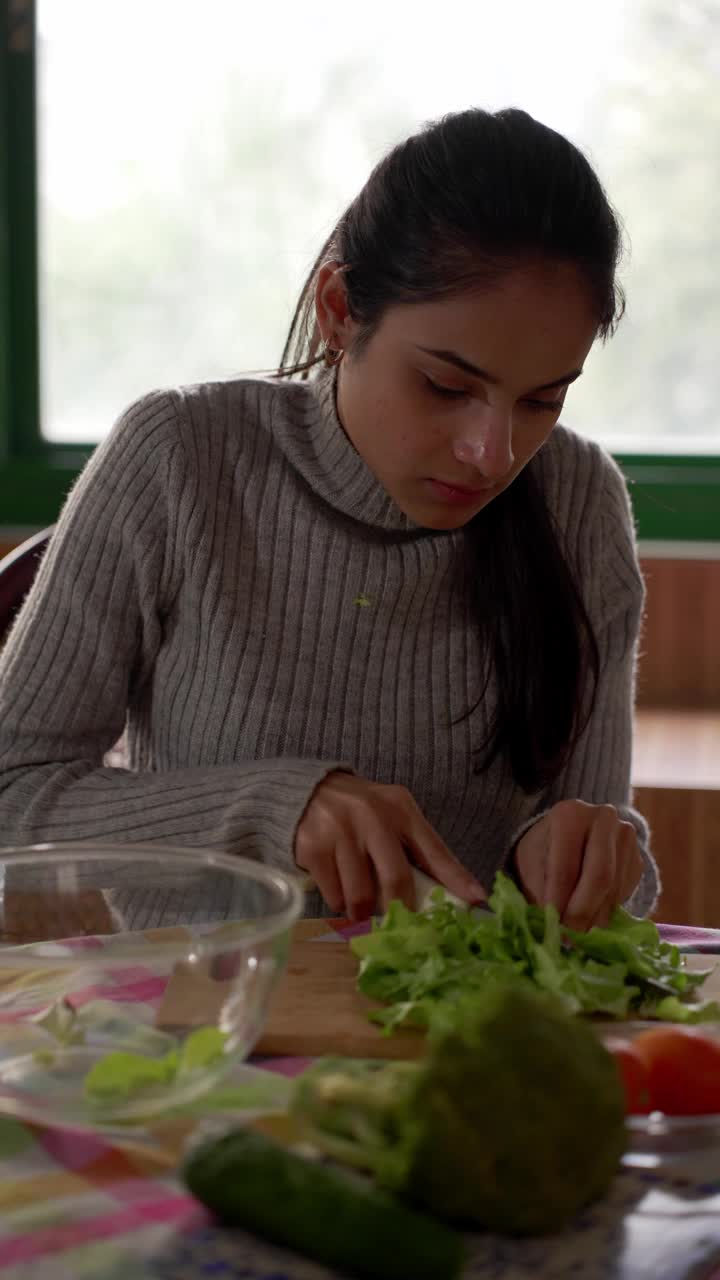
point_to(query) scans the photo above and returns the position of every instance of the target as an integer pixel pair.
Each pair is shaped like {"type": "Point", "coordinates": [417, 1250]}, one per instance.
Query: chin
{"type": "Point", "coordinates": [444, 520]}
{"type": "Point", "coordinates": [448, 518]}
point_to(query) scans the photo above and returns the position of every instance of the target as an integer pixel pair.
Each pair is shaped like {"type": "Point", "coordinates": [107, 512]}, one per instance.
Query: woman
{"type": "Point", "coordinates": [381, 615]}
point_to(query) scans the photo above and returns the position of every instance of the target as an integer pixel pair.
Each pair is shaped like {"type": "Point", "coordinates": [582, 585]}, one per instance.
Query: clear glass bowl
{"type": "Point", "coordinates": [165, 954]}
{"type": "Point", "coordinates": [657, 1139]}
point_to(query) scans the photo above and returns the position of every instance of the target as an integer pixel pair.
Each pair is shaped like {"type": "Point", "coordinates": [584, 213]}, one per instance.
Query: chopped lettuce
{"type": "Point", "coordinates": [60, 1021]}
{"type": "Point", "coordinates": [201, 1048]}
{"type": "Point", "coordinates": [422, 966]}
{"type": "Point", "coordinates": [120, 1075]}
{"type": "Point", "coordinates": [673, 1009]}
{"type": "Point", "coordinates": [258, 1090]}
{"type": "Point", "coordinates": [100, 1022]}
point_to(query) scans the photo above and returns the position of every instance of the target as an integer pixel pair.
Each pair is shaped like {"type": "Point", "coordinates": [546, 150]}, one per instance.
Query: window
{"type": "Point", "coordinates": [190, 169]}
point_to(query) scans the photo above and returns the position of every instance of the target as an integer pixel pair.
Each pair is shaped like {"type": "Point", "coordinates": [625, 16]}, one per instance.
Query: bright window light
{"type": "Point", "coordinates": [194, 158]}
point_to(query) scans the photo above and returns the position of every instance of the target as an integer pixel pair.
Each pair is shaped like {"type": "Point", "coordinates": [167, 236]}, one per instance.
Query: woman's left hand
{"type": "Point", "coordinates": [583, 857]}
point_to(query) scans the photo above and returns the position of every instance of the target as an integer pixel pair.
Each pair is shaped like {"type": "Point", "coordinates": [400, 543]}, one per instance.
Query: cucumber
{"type": "Point", "coordinates": [319, 1210]}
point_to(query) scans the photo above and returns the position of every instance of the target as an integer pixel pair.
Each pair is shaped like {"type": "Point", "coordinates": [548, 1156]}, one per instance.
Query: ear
{"type": "Point", "coordinates": [331, 307]}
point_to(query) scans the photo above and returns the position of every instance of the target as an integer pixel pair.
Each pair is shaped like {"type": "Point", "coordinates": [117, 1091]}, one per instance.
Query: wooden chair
{"type": "Point", "coordinates": [17, 570]}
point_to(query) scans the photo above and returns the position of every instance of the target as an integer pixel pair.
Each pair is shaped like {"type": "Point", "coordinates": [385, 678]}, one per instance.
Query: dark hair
{"type": "Point", "coordinates": [454, 208]}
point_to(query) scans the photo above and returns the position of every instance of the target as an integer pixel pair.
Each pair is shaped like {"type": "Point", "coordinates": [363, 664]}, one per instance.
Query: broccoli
{"type": "Point", "coordinates": [512, 1121]}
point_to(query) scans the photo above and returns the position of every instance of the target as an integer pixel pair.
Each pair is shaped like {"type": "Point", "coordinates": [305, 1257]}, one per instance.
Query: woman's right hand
{"type": "Point", "coordinates": [354, 839]}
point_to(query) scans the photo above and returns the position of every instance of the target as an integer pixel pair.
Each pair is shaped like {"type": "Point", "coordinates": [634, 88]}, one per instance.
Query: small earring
{"type": "Point", "coordinates": [333, 355]}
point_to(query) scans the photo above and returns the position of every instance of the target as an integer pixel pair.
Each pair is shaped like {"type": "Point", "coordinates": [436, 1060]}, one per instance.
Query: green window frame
{"type": "Point", "coordinates": [35, 474]}
{"type": "Point", "coordinates": [675, 497]}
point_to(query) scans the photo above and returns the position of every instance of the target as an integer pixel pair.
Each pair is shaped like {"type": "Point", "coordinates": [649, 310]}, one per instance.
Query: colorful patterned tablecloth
{"type": "Point", "coordinates": [76, 1205]}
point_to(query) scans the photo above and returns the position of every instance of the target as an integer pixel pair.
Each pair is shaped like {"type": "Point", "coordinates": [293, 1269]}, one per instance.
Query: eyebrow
{"type": "Point", "coordinates": [452, 357]}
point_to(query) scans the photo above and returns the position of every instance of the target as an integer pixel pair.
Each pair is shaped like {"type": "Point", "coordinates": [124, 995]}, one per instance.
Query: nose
{"type": "Point", "coordinates": [487, 444]}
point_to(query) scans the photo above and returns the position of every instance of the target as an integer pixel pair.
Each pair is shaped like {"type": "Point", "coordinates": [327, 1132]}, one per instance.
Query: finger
{"type": "Point", "coordinates": [359, 885]}
{"type": "Point", "coordinates": [433, 856]}
{"type": "Point", "coordinates": [630, 862]}
{"type": "Point", "coordinates": [392, 869]}
{"type": "Point", "coordinates": [602, 916]}
{"type": "Point", "coordinates": [530, 860]}
{"type": "Point", "coordinates": [326, 878]}
{"type": "Point", "coordinates": [628, 870]}
{"type": "Point", "coordinates": [570, 824]}
{"type": "Point", "coordinates": [596, 884]}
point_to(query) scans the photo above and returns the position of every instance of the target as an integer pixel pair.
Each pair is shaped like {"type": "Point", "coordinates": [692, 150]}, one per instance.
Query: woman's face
{"type": "Point", "coordinates": [449, 400]}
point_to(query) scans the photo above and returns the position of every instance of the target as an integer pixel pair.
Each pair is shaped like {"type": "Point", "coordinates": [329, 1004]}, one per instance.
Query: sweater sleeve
{"type": "Point", "coordinates": [86, 640]}
{"type": "Point", "coordinates": [599, 767]}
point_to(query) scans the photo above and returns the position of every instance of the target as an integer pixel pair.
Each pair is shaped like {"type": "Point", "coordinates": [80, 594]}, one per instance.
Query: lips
{"type": "Point", "coordinates": [452, 492]}
{"type": "Point", "coordinates": [459, 488]}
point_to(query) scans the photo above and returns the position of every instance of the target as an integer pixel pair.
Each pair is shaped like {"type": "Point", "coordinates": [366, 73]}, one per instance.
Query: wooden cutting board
{"type": "Point", "coordinates": [316, 1009]}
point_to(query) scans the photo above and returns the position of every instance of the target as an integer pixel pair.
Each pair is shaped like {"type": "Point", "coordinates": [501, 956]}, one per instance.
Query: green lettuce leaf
{"type": "Point", "coordinates": [121, 1074]}
{"type": "Point", "coordinates": [672, 1009]}
{"type": "Point", "coordinates": [201, 1048]}
{"type": "Point", "coordinates": [420, 965]}
{"type": "Point", "coordinates": [61, 1022]}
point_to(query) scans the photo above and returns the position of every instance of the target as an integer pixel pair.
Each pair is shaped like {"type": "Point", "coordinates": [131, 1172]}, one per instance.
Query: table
{"type": "Point", "coordinates": [75, 1206]}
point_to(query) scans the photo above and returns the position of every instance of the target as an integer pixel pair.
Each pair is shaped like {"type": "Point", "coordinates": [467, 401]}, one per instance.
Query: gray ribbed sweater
{"type": "Point", "coordinates": [230, 576]}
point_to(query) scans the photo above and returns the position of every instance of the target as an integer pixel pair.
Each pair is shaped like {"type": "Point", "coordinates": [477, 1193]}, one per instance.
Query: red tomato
{"type": "Point", "coordinates": [634, 1074]}
{"type": "Point", "coordinates": [683, 1068]}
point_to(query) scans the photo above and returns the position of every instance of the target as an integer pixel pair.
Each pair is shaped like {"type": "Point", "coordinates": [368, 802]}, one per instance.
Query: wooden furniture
{"type": "Point", "coordinates": [676, 762]}
{"type": "Point", "coordinates": [676, 774]}
{"type": "Point", "coordinates": [17, 570]}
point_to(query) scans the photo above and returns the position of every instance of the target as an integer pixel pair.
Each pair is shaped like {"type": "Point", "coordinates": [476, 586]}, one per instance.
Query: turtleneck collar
{"type": "Point", "coordinates": [314, 440]}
